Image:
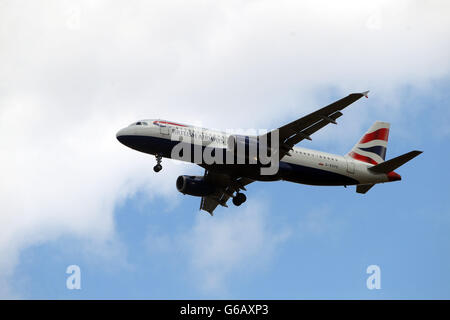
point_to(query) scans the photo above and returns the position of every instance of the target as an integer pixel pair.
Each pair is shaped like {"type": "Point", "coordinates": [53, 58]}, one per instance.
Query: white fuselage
{"type": "Point", "coordinates": [304, 165]}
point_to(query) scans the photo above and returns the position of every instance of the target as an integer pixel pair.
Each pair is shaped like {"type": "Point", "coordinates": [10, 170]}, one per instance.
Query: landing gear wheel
{"type": "Point", "coordinates": [239, 199]}
{"type": "Point", "coordinates": [158, 166]}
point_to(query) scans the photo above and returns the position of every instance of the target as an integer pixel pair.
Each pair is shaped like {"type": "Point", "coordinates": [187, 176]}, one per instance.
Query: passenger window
{"type": "Point", "coordinates": [138, 123]}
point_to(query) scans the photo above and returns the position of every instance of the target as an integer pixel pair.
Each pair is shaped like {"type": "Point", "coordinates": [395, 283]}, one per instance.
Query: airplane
{"type": "Point", "coordinates": [364, 165]}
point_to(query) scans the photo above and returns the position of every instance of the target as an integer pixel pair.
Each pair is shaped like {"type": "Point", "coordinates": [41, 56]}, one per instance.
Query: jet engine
{"type": "Point", "coordinates": [194, 186]}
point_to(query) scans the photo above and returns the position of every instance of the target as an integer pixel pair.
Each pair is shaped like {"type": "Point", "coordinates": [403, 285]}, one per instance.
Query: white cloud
{"type": "Point", "coordinates": [72, 73]}
{"type": "Point", "coordinates": [240, 240]}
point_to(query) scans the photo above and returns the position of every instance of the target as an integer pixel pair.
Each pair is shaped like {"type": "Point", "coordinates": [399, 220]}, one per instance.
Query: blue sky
{"type": "Point", "coordinates": [71, 194]}
{"type": "Point", "coordinates": [312, 242]}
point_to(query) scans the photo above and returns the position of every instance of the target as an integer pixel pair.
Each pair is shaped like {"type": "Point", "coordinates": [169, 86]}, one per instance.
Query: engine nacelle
{"type": "Point", "coordinates": [194, 186]}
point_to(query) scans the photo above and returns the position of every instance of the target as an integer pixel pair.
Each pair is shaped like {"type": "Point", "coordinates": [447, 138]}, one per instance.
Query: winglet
{"type": "Point", "coordinates": [365, 93]}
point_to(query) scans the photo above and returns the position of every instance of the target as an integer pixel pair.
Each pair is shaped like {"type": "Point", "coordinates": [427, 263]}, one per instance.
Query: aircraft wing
{"type": "Point", "coordinates": [298, 130]}
{"type": "Point", "coordinates": [226, 186]}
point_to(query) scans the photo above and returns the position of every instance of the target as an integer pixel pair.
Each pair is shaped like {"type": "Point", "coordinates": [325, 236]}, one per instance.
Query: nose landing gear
{"type": "Point", "coordinates": [239, 199]}
{"type": "Point", "coordinates": [158, 166]}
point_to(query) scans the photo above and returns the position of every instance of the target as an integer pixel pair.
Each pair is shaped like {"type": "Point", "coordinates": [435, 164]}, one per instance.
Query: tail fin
{"type": "Point", "coordinates": [372, 146]}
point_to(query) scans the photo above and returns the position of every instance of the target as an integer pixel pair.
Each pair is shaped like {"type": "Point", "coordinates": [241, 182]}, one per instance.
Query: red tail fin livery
{"type": "Point", "coordinates": [373, 145]}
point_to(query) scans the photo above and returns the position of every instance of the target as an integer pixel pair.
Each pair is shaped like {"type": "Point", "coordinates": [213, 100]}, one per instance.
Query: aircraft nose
{"type": "Point", "coordinates": [119, 134]}
{"type": "Point", "coordinates": [394, 176]}
{"type": "Point", "coordinates": [122, 134]}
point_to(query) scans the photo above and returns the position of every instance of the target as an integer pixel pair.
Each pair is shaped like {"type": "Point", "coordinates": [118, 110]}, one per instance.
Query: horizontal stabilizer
{"type": "Point", "coordinates": [363, 188]}
{"type": "Point", "coordinates": [392, 164]}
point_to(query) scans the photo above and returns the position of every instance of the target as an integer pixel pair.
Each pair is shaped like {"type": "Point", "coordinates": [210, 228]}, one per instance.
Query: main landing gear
{"type": "Point", "coordinates": [239, 199]}
{"type": "Point", "coordinates": [158, 166]}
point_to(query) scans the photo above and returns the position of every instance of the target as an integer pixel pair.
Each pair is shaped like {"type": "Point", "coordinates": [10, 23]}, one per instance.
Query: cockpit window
{"type": "Point", "coordinates": [139, 123]}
